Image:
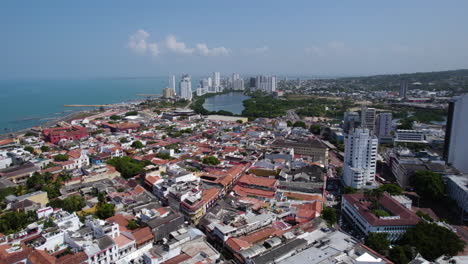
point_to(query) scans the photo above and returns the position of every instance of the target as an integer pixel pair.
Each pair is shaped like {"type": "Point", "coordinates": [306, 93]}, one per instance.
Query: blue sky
{"type": "Point", "coordinates": [76, 39]}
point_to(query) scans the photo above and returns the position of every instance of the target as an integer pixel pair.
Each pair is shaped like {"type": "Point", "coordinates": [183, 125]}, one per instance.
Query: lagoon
{"type": "Point", "coordinates": [232, 102]}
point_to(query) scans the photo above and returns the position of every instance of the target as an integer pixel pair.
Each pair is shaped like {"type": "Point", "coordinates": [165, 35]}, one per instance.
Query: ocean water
{"type": "Point", "coordinates": [232, 102]}
{"type": "Point", "coordinates": [27, 103]}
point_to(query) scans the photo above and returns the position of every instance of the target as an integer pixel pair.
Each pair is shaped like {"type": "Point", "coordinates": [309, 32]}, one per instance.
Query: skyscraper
{"type": "Point", "coordinates": [403, 88]}
{"type": "Point", "coordinates": [368, 118]}
{"type": "Point", "coordinates": [265, 83]}
{"type": "Point", "coordinates": [237, 83]}
{"type": "Point", "coordinates": [360, 158]}
{"type": "Point", "coordinates": [168, 93]}
{"type": "Point", "coordinates": [185, 87]}
{"type": "Point", "coordinates": [172, 84]}
{"type": "Point", "coordinates": [456, 140]}
{"type": "Point", "coordinates": [384, 127]}
{"type": "Point", "coordinates": [216, 79]}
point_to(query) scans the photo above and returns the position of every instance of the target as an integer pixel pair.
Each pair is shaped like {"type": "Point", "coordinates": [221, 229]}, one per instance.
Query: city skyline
{"type": "Point", "coordinates": [159, 39]}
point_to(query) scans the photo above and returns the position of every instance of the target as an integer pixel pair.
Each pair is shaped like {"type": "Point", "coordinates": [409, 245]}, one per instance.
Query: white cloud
{"type": "Point", "coordinates": [137, 42]}
{"type": "Point", "coordinates": [205, 51]}
{"type": "Point", "coordinates": [154, 49]}
{"type": "Point", "coordinates": [177, 47]}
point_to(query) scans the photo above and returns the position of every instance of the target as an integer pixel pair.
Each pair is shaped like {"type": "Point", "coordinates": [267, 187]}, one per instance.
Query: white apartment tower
{"type": "Point", "coordinates": [456, 140]}
{"type": "Point", "coordinates": [216, 79]}
{"type": "Point", "coordinates": [265, 83]}
{"type": "Point", "coordinates": [172, 84]}
{"type": "Point", "coordinates": [360, 158]}
{"type": "Point", "coordinates": [368, 118]}
{"type": "Point", "coordinates": [237, 83]}
{"type": "Point", "coordinates": [185, 87]}
{"type": "Point", "coordinates": [384, 127]}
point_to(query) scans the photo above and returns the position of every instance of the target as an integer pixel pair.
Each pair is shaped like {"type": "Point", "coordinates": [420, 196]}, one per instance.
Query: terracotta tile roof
{"type": "Point", "coordinates": [308, 211]}
{"type": "Point", "coordinates": [75, 153]}
{"type": "Point", "coordinates": [237, 244]}
{"type": "Point", "coordinates": [6, 257]}
{"type": "Point", "coordinates": [121, 220]}
{"type": "Point", "coordinates": [6, 142]}
{"type": "Point", "coordinates": [139, 189]}
{"type": "Point", "coordinates": [177, 259]}
{"type": "Point", "coordinates": [142, 235]}
{"type": "Point", "coordinates": [122, 240]}
{"type": "Point", "coordinates": [41, 257]}
{"type": "Point", "coordinates": [249, 179]}
{"type": "Point", "coordinates": [260, 235]}
{"type": "Point", "coordinates": [245, 191]}
{"type": "Point", "coordinates": [407, 217]}
{"type": "Point", "coordinates": [150, 180]}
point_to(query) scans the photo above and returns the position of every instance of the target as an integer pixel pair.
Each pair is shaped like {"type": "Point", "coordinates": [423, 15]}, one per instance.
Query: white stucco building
{"type": "Point", "coordinates": [360, 158]}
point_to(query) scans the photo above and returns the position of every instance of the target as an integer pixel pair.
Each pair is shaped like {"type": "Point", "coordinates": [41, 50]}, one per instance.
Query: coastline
{"type": "Point", "coordinates": [65, 118]}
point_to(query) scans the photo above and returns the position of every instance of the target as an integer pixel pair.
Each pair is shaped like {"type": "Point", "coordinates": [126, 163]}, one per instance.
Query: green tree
{"type": "Point", "coordinates": [339, 171]}
{"type": "Point", "coordinates": [45, 148]}
{"type": "Point", "coordinates": [132, 224]}
{"type": "Point", "coordinates": [73, 203]}
{"type": "Point", "coordinates": [61, 157]}
{"type": "Point", "coordinates": [131, 113]}
{"type": "Point", "coordinates": [349, 190]}
{"type": "Point", "coordinates": [329, 215]}
{"type": "Point", "coordinates": [289, 123]}
{"type": "Point", "coordinates": [115, 117]}
{"type": "Point", "coordinates": [315, 129]}
{"type": "Point", "coordinates": [401, 254]}
{"type": "Point", "coordinates": [105, 211]}
{"type": "Point", "coordinates": [428, 184]}
{"type": "Point", "coordinates": [211, 160]}
{"type": "Point", "coordinates": [137, 144]}
{"type": "Point", "coordinates": [378, 242]}
{"type": "Point", "coordinates": [164, 156]}
{"type": "Point", "coordinates": [432, 241]}
{"type": "Point", "coordinates": [101, 198]}
{"type": "Point", "coordinates": [300, 124]}
{"type": "Point", "coordinates": [11, 222]}
{"type": "Point", "coordinates": [127, 166]}
{"type": "Point", "coordinates": [48, 223]}
{"type": "Point", "coordinates": [123, 140]}
{"type": "Point", "coordinates": [392, 189]}
{"type": "Point", "coordinates": [29, 149]}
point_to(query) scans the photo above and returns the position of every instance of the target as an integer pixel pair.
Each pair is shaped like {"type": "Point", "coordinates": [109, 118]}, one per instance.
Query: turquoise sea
{"type": "Point", "coordinates": [27, 103]}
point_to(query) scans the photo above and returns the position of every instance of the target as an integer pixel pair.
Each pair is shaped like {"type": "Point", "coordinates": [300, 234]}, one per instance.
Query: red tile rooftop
{"type": "Point", "coordinates": [142, 235]}
{"type": "Point", "coordinates": [177, 259]}
{"type": "Point", "coordinates": [122, 240]}
{"type": "Point", "coordinates": [121, 220]}
{"type": "Point", "coordinates": [249, 179]}
{"type": "Point", "coordinates": [407, 217]}
{"type": "Point", "coordinates": [244, 191]}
